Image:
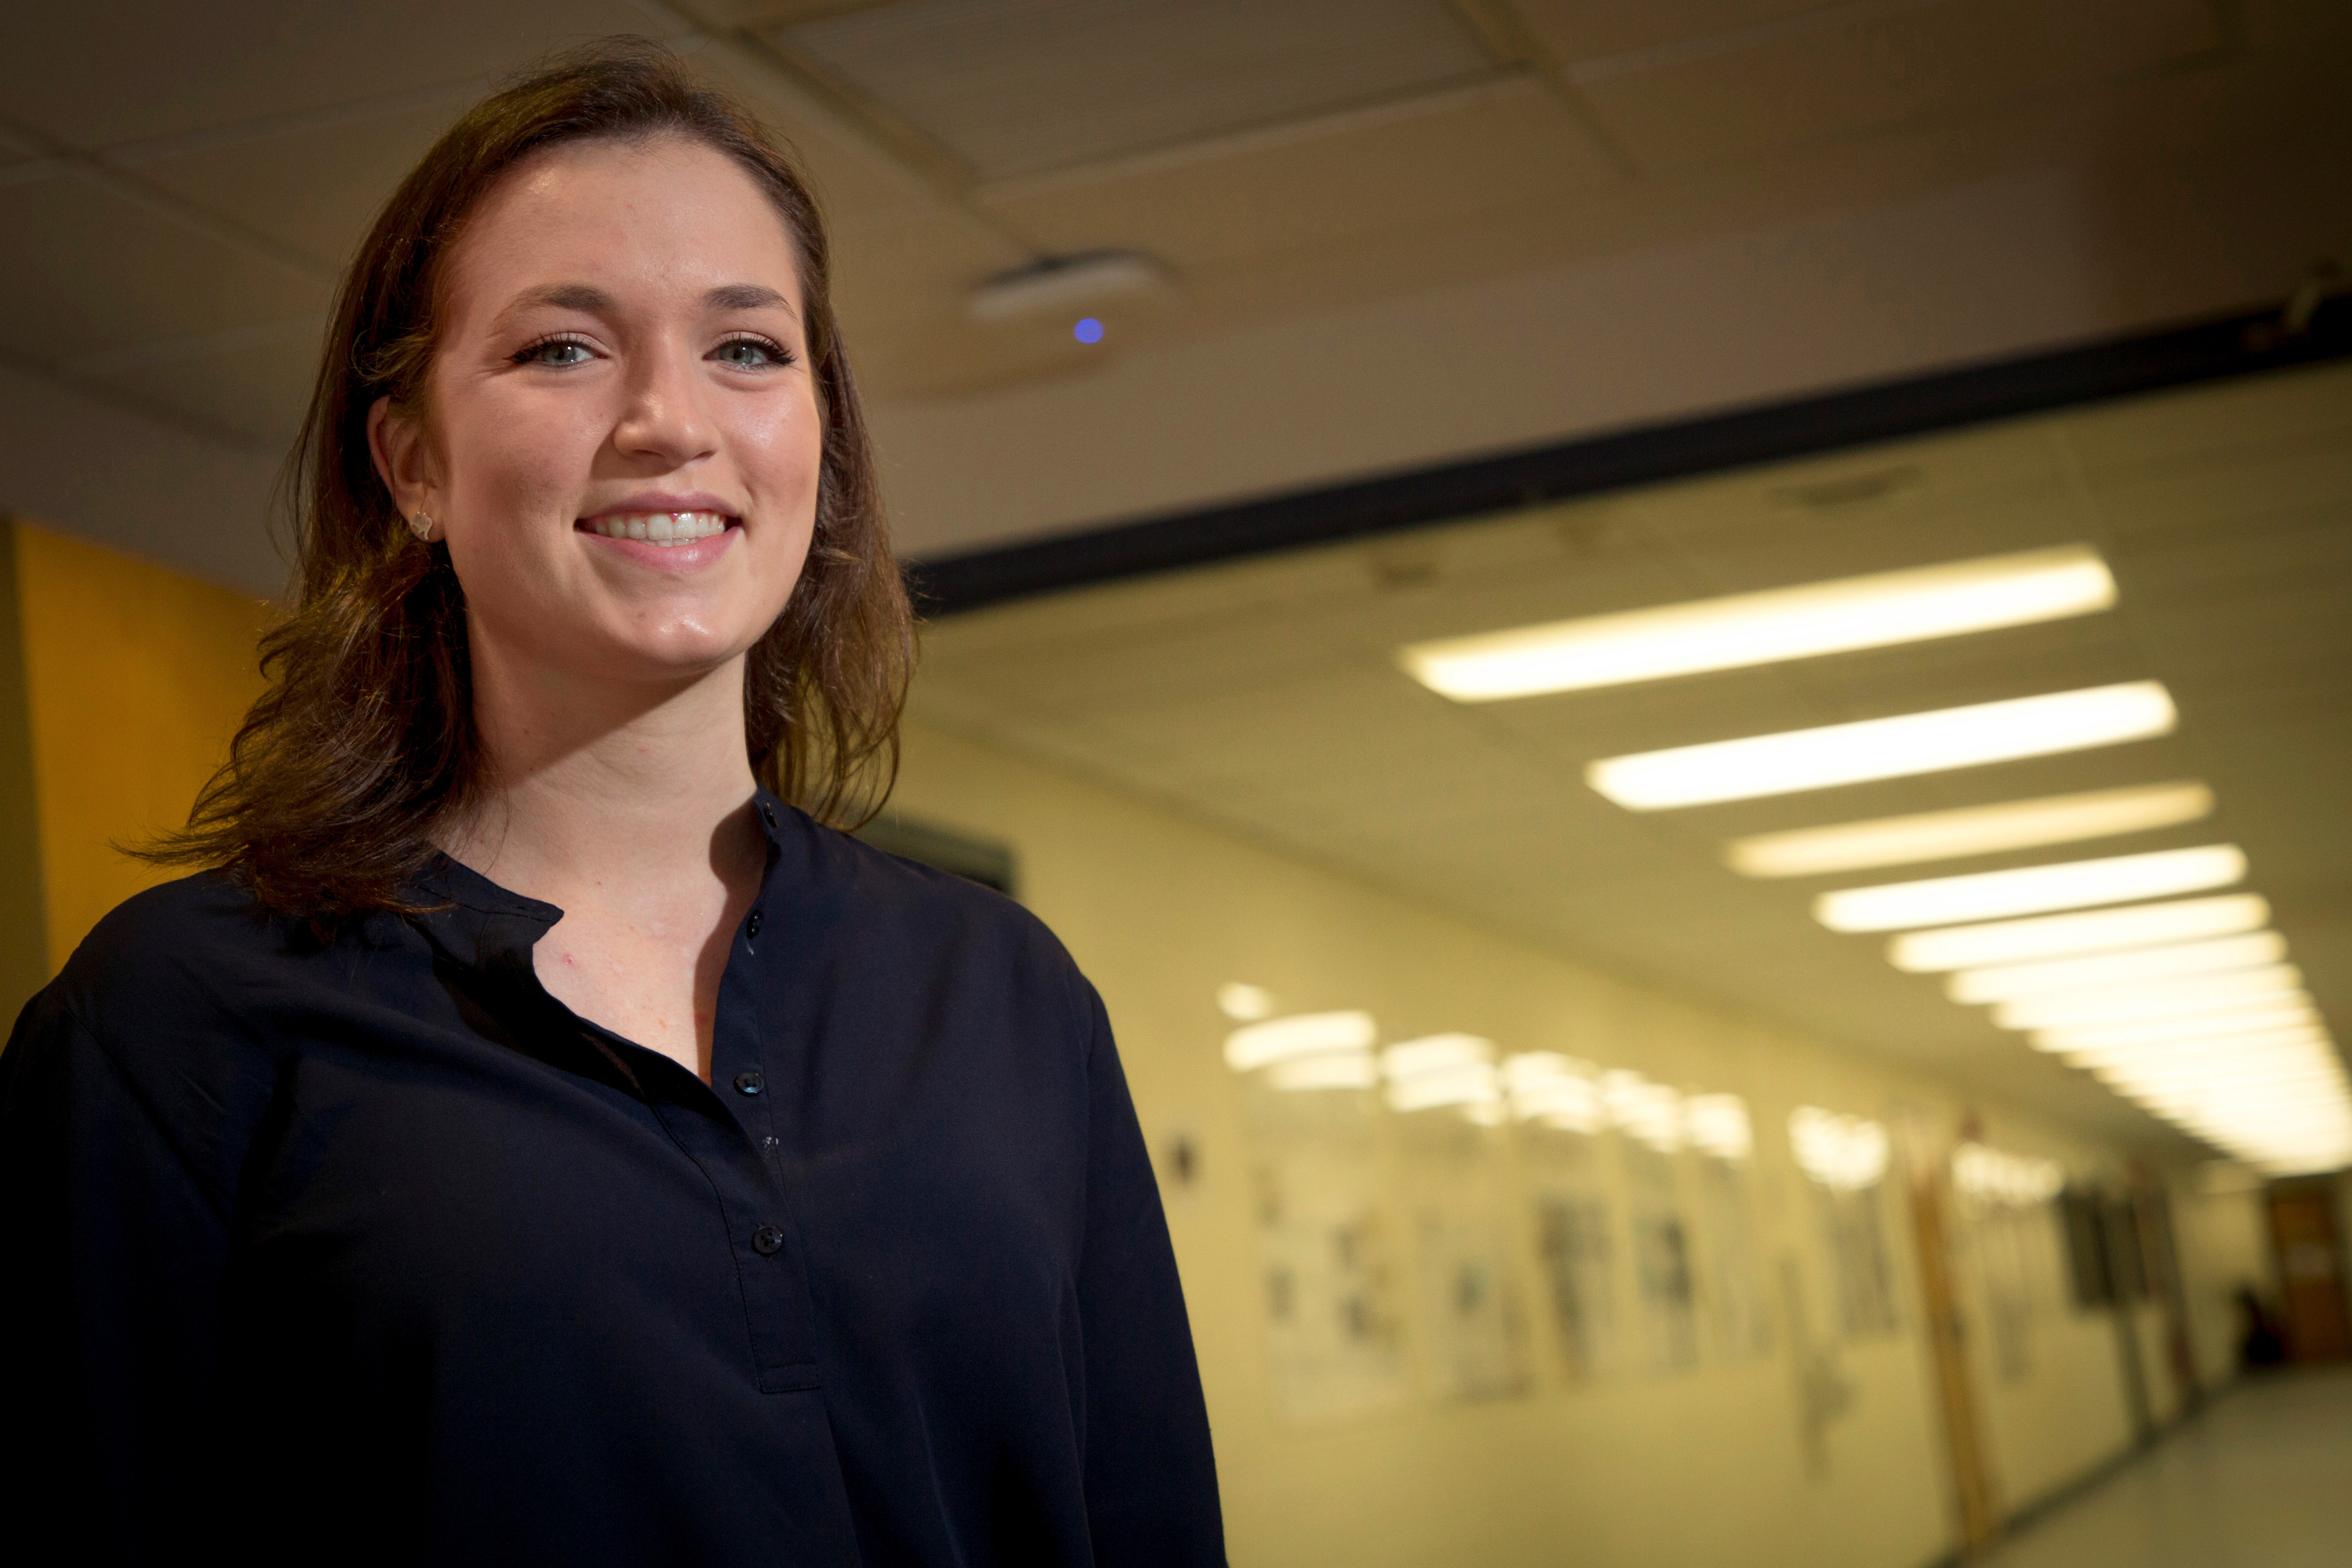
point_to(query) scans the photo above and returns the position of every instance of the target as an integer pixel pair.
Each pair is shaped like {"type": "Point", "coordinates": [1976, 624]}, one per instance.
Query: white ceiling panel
{"type": "Point", "coordinates": [1013, 86]}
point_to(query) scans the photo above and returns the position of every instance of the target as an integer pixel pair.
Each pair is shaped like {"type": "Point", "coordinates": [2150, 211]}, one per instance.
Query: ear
{"type": "Point", "coordinates": [403, 457]}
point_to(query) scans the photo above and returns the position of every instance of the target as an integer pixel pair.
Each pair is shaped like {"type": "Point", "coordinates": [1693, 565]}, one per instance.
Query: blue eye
{"type": "Point", "coordinates": [750, 353]}
{"type": "Point", "coordinates": [558, 352]}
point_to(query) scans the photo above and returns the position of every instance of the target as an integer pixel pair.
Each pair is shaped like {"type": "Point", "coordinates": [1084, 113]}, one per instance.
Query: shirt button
{"type": "Point", "coordinates": [751, 927]}
{"type": "Point", "coordinates": [749, 1083]}
{"type": "Point", "coordinates": [767, 1241]}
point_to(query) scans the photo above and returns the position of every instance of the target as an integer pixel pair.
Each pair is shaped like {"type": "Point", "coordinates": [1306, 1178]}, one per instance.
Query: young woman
{"type": "Point", "coordinates": [535, 1139]}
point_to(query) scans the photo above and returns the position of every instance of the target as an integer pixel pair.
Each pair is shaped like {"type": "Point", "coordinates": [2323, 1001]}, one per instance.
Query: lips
{"type": "Point", "coordinates": [665, 529]}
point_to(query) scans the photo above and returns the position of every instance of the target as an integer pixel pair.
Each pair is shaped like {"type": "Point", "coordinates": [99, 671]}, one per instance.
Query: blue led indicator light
{"type": "Point", "coordinates": [1087, 330]}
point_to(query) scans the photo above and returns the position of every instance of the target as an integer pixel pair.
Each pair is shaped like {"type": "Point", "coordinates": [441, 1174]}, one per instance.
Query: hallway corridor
{"type": "Point", "coordinates": [2262, 1481]}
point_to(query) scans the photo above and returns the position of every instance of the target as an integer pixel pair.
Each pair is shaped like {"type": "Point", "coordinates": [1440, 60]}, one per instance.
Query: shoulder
{"type": "Point", "coordinates": [910, 916]}
{"type": "Point", "coordinates": [871, 885]}
{"type": "Point", "coordinates": [189, 986]}
{"type": "Point", "coordinates": [187, 942]}
{"type": "Point", "coordinates": [161, 998]}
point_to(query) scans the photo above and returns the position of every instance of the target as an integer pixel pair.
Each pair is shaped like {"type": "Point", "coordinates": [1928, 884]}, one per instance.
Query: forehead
{"type": "Point", "coordinates": [641, 219]}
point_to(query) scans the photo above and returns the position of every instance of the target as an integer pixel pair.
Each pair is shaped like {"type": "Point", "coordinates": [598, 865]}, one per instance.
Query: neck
{"type": "Point", "coordinates": [591, 782]}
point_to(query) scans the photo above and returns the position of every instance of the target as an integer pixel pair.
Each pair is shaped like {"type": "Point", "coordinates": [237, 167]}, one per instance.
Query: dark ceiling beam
{"type": "Point", "coordinates": [2303, 332]}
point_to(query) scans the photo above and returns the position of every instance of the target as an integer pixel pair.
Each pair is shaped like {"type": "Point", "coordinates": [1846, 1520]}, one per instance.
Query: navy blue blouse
{"type": "Point", "coordinates": [368, 1249]}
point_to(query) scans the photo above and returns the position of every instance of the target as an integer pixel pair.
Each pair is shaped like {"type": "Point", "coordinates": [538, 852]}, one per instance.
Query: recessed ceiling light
{"type": "Point", "coordinates": [1743, 629]}
{"type": "Point", "coordinates": [2010, 981]}
{"type": "Point", "coordinates": [1972, 831]}
{"type": "Point", "coordinates": [2030, 890]}
{"type": "Point", "coordinates": [2131, 1004]}
{"type": "Point", "coordinates": [1897, 748]}
{"type": "Point", "coordinates": [2051, 936]}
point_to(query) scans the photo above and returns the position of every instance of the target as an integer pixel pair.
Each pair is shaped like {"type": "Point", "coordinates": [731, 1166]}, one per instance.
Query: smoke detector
{"type": "Point", "coordinates": [1073, 293]}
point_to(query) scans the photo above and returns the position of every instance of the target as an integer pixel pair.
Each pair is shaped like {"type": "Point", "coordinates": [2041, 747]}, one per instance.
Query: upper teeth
{"type": "Point", "coordinates": [660, 528]}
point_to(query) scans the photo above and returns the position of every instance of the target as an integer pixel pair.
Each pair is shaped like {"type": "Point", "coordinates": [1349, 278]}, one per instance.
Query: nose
{"type": "Point", "coordinates": [663, 417]}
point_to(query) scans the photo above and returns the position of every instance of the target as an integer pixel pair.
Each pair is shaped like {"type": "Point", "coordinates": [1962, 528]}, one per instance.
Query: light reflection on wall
{"type": "Point", "coordinates": [1989, 1175]}
{"type": "Point", "coordinates": [1843, 1153]}
{"type": "Point", "coordinates": [1470, 1199]}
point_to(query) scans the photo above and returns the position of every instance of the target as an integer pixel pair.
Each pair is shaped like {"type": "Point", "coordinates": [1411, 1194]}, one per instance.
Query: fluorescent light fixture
{"type": "Point", "coordinates": [2263, 1071]}
{"type": "Point", "coordinates": [2214, 1084]}
{"type": "Point", "coordinates": [1743, 629]}
{"type": "Point", "coordinates": [2030, 890]}
{"type": "Point", "coordinates": [1972, 831]}
{"type": "Point", "coordinates": [1896, 747]}
{"type": "Point", "coordinates": [2194, 1057]}
{"type": "Point", "coordinates": [2130, 1004]}
{"type": "Point", "coordinates": [2256, 1017]}
{"type": "Point", "coordinates": [2055, 935]}
{"type": "Point", "coordinates": [2296, 1037]}
{"type": "Point", "coordinates": [1301, 1034]}
{"type": "Point", "coordinates": [2009, 982]}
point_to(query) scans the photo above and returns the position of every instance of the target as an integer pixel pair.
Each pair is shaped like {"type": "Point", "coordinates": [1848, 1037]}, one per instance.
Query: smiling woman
{"type": "Point", "coordinates": [538, 1134]}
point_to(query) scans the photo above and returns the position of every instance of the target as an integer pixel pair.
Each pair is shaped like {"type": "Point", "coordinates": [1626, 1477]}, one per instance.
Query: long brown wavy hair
{"type": "Point", "coordinates": [364, 742]}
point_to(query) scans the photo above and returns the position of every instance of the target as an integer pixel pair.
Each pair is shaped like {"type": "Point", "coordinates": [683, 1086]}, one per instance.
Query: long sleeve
{"type": "Point", "coordinates": [1151, 1475]}
{"type": "Point", "coordinates": [109, 1314]}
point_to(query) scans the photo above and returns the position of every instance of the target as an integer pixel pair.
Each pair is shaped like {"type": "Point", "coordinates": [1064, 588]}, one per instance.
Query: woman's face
{"type": "Point", "coordinates": [623, 439]}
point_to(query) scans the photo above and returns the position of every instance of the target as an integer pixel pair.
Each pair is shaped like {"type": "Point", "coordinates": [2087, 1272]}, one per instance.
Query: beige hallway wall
{"type": "Point", "coordinates": [1706, 1464]}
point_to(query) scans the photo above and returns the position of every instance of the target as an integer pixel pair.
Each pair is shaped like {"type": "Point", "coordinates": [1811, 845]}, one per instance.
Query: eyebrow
{"type": "Point", "coordinates": [745, 297]}
{"type": "Point", "coordinates": [591, 300]}
{"type": "Point", "coordinates": [579, 297]}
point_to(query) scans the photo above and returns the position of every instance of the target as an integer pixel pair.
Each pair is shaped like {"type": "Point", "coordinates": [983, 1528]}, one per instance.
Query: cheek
{"type": "Point", "coordinates": [783, 448]}
{"type": "Point", "coordinates": [524, 459]}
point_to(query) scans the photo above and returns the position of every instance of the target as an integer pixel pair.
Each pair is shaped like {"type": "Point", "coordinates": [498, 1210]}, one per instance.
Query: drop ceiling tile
{"type": "Point", "coordinates": [1011, 86]}
{"type": "Point", "coordinates": [253, 385]}
{"type": "Point", "coordinates": [175, 68]}
{"type": "Point", "coordinates": [2293, 473]}
{"type": "Point", "coordinates": [2168, 428]}
{"type": "Point", "coordinates": [1584, 30]}
{"type": "Point", "coordinates": [1886, 66]}
{"type": "Point", "coordinates": [850, 174]}
{"type": "Point", "coordinates": [1511, 145]}
{"type": "Point", "coordinates": [113, 275]}
{"type": "Point", "coordinates": [313, 188]}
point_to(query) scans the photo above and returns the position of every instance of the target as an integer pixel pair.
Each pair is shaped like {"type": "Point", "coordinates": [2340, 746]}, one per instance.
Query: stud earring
{"type": "Point", "coordinates": [422, 526]}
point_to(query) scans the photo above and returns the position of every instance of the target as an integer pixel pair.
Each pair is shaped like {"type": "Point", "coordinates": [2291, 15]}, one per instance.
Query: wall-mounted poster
{"type": "Point", "coordinates": [1845, 1160]}
{"type": "Point", "coordinates": [1742, 1314]}
{"type": "Point", "coordinates": [1329, 1257]}
{"type": "Point", "coordinates": [1577, 1245]}
{"type": "Point", "coordinates": [1662, 1259]}
{"type": "Point", "coordinates": [1452, 1179]}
